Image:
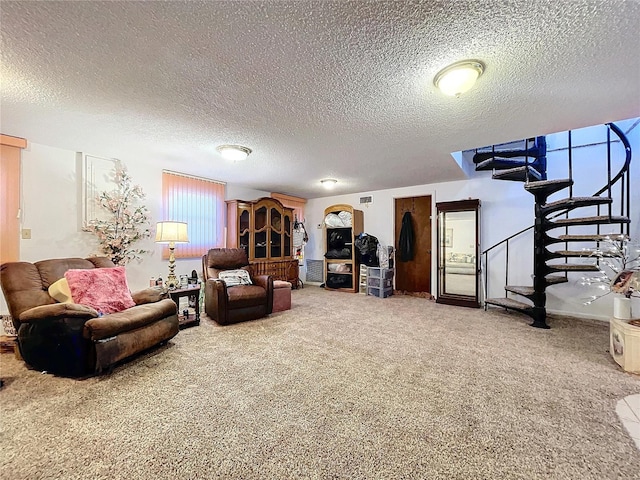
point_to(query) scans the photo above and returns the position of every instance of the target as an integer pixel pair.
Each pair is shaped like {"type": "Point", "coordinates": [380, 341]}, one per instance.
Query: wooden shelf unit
{"type": "Point", "coordinates": [349, 234]}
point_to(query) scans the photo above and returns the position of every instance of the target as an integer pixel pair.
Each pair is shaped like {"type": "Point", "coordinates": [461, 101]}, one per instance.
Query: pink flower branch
{"type": "Point", "coordinates": [127, 224]}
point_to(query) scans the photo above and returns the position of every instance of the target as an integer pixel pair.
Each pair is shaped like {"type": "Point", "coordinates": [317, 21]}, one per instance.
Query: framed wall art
{"type": "Point", "coordinates": [94, 176]}
{"type": "Point", "coordinates": [448, 237]}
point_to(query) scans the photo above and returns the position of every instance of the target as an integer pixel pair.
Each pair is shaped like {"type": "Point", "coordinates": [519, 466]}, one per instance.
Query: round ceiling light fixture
{"type": "Point", "coordinates": [234, 152]}
{"type": "Point", "coordinates": [329, 183]}
{"type": "Point", "coordinates": [458, 77]}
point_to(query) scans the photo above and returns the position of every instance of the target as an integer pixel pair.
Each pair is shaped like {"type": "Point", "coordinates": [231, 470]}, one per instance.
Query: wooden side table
{"type": "Point", "coordinates": [8, 343]}
{"type": "Point", "coordinates": [190, 319]}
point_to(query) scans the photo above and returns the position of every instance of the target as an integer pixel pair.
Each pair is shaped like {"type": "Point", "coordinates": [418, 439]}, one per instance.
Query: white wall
{"type": "Point", "coordinates": [507, 199]}
{"type": "Point", "coordinates": [506, 209]}
{"type": "Point", "coordinates": [50, 207]}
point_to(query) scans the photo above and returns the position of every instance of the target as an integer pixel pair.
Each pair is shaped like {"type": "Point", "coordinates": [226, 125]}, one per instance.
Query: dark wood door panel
{"type": "Point", "coordinates": [414, 275]}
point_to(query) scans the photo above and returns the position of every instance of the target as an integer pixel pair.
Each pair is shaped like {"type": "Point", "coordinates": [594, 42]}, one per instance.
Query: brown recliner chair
{"type": "Point", "coordinates": [75, 340]}
{"type": "Point", "coordinates": [226, 305]}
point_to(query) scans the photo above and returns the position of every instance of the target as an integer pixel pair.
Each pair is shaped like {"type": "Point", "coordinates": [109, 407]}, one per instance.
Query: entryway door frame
{"type": "Point", "coordinates": [415, 275]}
{"type": "Point", "coordinates": [10, 167]}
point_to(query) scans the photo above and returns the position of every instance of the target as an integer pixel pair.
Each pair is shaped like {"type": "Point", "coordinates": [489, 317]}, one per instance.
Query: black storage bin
{"type": "Point", "coordinates": [337, 280]}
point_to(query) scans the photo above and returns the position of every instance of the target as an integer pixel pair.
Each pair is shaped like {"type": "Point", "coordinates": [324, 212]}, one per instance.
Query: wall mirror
{"type": "Point", "coordinates": [459, 252]}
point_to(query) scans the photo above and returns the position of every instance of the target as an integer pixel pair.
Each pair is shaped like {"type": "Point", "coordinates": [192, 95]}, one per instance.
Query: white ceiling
{"type": "Point", "coordinates": [317, 89]}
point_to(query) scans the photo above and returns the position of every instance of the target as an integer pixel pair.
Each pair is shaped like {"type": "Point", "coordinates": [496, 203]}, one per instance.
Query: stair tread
{"type": "Point", "coordinates": [518, 173]}
{"type": "Point", "coordinates": [584, 253]}
{"type": "Point", "coordinates": [537, 148]}
{"type": "Point", "coordinates": [601, 219]}
{"type": "Point", "coordinates": [555, 279]}
{"type": "Point", "coordinates": [520, 290]}
{"type": "Point", "coordinates": [499, 164]}
{"type": "Point", "coordinates": [582, 201]}
{"type": "Point", "coordinates": [549, 184]}
{"type": "Point", "coordinates": [573, 253]}
{"type": "Point", "coordinates": [584, 238]}
{"type": "Point", "coordinates": [509, 303]}
{"type": "Point", "coordinates": [573, 267]}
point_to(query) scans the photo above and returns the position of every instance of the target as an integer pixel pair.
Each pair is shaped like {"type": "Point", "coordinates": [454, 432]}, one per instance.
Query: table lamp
{"type": "Point", "coordinates": [171, 233]}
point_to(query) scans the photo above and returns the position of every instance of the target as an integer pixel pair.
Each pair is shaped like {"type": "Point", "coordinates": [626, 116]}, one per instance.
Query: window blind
{"type": "Point", "coordinates": [200, 203]}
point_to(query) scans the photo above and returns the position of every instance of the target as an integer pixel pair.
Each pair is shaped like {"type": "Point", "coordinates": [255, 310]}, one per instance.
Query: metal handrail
{"type": "Point", "coordinates": [507, 239]}
{"type": "Point", "coordinates": [624, 170]}
{"type": "Point", "coordinates": [627, 161]}
{"type": "Point", "coordinates": [485, 254]}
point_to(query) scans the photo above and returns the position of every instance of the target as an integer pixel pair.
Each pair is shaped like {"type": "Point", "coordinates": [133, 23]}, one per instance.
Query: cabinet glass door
{"type": "Point", "coordinates": [287, 236]}
{"type": "Point", "coordinates": [244, 229]}
{"type": "Point", "coordinates": [275, 243]}
{"type": "Point", "coordinates": [458, 252]}
{"type": "Point", "coordinates": [244, 221]}
{"type": "Point", "coordinates": [260, 233]}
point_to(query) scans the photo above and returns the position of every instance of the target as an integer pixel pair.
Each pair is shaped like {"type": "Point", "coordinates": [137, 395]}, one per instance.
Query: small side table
{"type": "Point", "coordinates": [8, 343]}
{"type": "Point", "coordinates": [190, 319]}
{"type": "Point", "coordinates": [624, 344]}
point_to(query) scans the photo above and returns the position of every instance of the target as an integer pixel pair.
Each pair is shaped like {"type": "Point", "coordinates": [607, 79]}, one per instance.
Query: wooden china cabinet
{"type": "Point", "coordinates": [263, 228]}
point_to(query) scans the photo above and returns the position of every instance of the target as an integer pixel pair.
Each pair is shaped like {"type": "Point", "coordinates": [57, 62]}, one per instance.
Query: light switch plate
{"type": "Point", "coordinates": [26, 234]}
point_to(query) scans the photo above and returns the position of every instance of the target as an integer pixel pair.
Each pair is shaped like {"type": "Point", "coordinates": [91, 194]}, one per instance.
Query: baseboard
{"type": "Point", "coordinates": [584, 316]}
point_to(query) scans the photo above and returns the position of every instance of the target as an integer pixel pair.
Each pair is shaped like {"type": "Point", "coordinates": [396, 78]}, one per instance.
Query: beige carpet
{"type": "Point", "coordinates": [343, 386]}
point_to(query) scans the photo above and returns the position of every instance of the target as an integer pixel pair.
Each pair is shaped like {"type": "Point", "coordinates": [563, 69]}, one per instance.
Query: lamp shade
{"type": "Point", "coordinates": [168, 232]}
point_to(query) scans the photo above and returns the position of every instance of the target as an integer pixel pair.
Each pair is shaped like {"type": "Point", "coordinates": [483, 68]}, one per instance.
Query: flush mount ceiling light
{"type": "Point", "coordinates": [458, 77]}
{"type": "Point", "coordinates": [329, 183]}
{"type": "Point", "coordinates": [234, 152]}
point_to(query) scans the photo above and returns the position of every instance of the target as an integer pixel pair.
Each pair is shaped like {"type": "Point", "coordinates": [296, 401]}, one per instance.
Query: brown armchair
{"type": "Point", "coordinates": [72, 339]}
{"type": "Point", "coordinates": [226, 305]}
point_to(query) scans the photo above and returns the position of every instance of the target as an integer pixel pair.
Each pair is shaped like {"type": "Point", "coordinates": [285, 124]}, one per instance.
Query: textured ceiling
{"type": "Point", "coordinates": [337, 89]}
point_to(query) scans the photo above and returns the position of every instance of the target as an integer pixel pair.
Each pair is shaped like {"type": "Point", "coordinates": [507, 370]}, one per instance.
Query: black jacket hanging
{"type": "Point", "coordinates": [367, 245]}
{"type": "Point", "coordinates": [405, 243]}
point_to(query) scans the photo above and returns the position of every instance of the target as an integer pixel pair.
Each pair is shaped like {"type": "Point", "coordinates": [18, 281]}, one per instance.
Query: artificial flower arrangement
{"type": "Point", "coordinates": [127, 222]}
{"type": "Point", "coordinates": [620, 268]}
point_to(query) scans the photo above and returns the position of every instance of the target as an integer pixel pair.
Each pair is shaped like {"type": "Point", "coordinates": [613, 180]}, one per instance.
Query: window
{"type": "Point", "coordinates": [200, 203]}
{"type": "Point", "coordinates": [297, 204]}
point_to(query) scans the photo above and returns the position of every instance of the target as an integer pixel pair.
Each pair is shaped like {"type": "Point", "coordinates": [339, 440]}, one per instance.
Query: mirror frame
{"type": "Point", "coordinates": [471, 205]}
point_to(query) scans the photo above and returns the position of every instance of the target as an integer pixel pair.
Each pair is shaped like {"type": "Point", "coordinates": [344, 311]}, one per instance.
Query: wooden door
{"type": "Point", "coordinates": [414, 275]}
{"type": "Point", "coordinates": [10, 152]}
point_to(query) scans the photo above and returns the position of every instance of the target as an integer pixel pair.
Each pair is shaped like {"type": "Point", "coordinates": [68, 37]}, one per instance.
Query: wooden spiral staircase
{"type": "Point", "coordinates": [551, 265]}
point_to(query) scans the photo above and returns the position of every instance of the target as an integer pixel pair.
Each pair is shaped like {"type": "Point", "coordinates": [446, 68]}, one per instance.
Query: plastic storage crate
{"type": "Point", "coordinates": [380, 282]}
{"type": "Point", "coordinates": [380, 292]}
{"type": "Point", "coordinates": [362, 283]}
{"type": "Point", "coordinates": [379, 277]}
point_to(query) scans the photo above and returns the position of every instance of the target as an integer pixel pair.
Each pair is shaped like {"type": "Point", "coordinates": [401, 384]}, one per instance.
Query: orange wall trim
{"type": "Point", "coordinates": [287, 198]}
{"type": "Point", "coordinates": [10, 141]}
{"type": "Point", "coordinates": [10, 152]}
{"type": "Point", "coordinates": [290, 201]}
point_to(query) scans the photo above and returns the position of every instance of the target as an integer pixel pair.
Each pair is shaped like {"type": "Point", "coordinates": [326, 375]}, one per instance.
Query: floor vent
{"type": "Point", "coordinates": [314, 270]}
